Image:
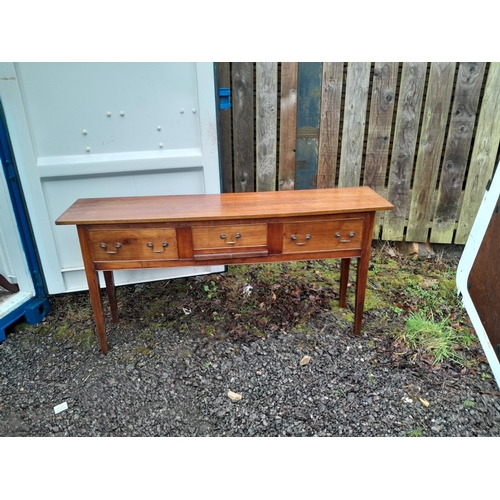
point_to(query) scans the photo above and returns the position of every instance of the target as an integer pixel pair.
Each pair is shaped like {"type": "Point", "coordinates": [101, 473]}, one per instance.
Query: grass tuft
{"type": "Point", "coordinates": [438, 339]}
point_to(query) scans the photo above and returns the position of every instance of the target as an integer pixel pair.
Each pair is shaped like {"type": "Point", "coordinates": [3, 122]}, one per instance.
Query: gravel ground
{"type": "Point", "coordinates": [166, 381]}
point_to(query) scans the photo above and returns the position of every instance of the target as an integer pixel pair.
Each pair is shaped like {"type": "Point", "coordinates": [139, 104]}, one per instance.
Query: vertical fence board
{"type": "Point", "coordinates": [356, 98]}
{"type": "Point", "coordinates": [385, 76]}
{"type": "Point", "coordinates": [463, 118]}
{"type": "Point", "coordinates": [288, 125]}
{"type": "Point", "coordinates": [308, 115]}
{"type": "Point", "coordinates": [437, 106]}
{"type": "Point", "coordinates": [225, 136]}
{"type": "Point", "coordinates": [483, 154]}
{"type": "Point", "coordinates": [243, 127]}
{"type": "Point", "coordinates": [403, 151]}
{"type": "Point", "coordinates": [331, 97]}
{"type": "Point", "coordinates": [267, 115]}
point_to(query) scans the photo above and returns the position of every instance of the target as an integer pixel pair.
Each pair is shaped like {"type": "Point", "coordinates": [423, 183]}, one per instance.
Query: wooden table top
{"type": "Point", "coordinates": [226, 206]}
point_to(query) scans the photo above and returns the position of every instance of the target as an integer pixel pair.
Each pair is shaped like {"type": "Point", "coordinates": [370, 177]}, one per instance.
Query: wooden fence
{"type": "Point", "coordinates": [424, 135]}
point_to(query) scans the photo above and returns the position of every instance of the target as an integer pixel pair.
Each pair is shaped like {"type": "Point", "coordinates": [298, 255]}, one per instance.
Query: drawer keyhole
{"type": "Point", "coordinates": [164, 245]}
{"type": "Point", "coordinates": [237, 236]}
{"type": "Point", "coordinates": [298, 243]}
{"type": "Point", "coordinates": [105, 248]}
{"type": "Point", "coordinates": [351, 235]}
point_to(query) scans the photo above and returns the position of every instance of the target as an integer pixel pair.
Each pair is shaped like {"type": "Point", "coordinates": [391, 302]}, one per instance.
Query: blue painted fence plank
{"type": "Point", "coordinates": [308, 119]}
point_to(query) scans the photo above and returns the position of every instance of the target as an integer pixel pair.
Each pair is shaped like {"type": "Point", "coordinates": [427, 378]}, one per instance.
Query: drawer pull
{"type": "Point", "coordinates": [237, 236]}
{"type": "Point", "coordinates": [351, 235]}
{"type": "Point", "coordinates": [164, 245]}
{"type": "Point", "coordinates": [117, 246]}
{"type": "Point", "coordinates": [294, 238]}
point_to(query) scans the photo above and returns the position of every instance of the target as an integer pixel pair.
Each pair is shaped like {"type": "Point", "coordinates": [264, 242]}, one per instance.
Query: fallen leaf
{"type": "Point", "coordinates": [305, 360]}
{"type": "Point", "coordinates": [233, 396]}
{"type": "Point", "coordinates": [391, 252]}
{"type": "Point", "coordinates": [424, 402]}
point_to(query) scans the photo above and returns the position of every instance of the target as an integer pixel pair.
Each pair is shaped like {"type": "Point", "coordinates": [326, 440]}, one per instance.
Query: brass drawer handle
{"type": "Point", "coordinates": [117, 246]}
{"type": "Point", "coordinates": [164, 245]}
{"type": "Point", "coordinates": [237, 236]}
{"type": "Point", "coordinates": [294, 238]}
{"type": "Point", "coordinates": [351, 235]}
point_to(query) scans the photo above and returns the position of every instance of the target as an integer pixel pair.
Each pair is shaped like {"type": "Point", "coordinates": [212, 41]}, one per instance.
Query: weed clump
{"type": "Point", "coordinates": [436, 338]}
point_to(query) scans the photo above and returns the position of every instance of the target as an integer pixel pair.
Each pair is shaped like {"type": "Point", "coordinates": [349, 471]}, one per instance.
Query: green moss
{"type": "Point", "coordinates": [343, 314]}
{"type": "Point", "coordinates": [373, 300]}
{"type": "Point", "coordinates": [85, 337]}
{"type": "Point", "coordinates": [143, 350]}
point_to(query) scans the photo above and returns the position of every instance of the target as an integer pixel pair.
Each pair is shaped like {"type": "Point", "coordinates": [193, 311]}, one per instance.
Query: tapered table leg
{"type": "Point", "coordinates": [362, 273]}
{"type": "Point", "coordinates": [111, 291]}
{"type": "Point", "coordinates": [94, 289]}
{"type": "Point", "coordinates": [361, 280]}
{"type": "Point", "coordinates": [344, 279]}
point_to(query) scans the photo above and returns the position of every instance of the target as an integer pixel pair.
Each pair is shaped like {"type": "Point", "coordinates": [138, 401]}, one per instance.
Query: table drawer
{"type": "Point", "coordinates": [318, 236]}
{"type": "Point", "coordinates": [133, 244]}
{"type": "Point", "coordinates": [231, 239]}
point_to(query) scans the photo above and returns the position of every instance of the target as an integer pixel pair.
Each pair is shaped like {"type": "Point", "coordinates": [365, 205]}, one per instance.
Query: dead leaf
{"type": "Point", "coordinates": [273, 295]}
{"type": "Point", "coordinates": [424, 402]}
{"type": "Point", "coordinates": [391, 251]}
{"type": "Point", "coordinates": [233, 396]}
{"type": "Point", "coordinates": [305, 360]}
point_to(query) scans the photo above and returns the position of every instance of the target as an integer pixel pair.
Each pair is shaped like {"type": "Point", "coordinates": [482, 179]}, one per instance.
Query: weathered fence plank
{"type": "Point", "coordinates": [225, 141]}
{"type": "Point", "coordinates": [331, 101]}
{"type": "Point", "coordinates": [288, 125]}
{"type": "Point", "coordinates": [463, 118]}
{"type": "Point", "coordinates": [437, 106]}
{"type": "Point", "coordinates": [267, 116]}
{"type": "Point", "coordinates": [243, 126]}
{"type": "Point", "coordinates": [484, 153]}
{"type": "Point", "coordinates": [308, 117]}
{"type": "Point", "coordinates": [403, 151]}
{"type": "Point", "coordinates": [385, 77]}
{"type": "Point", "coordinates": [356, 98]}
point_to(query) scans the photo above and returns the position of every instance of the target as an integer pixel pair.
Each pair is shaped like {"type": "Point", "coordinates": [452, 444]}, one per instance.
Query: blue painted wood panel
{"type": "Point", "coordinates": [308, 119]}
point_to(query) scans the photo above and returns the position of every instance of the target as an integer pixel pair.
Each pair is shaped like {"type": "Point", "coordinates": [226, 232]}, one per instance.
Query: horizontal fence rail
{"type": "Point", "coordinates": [425, 136]}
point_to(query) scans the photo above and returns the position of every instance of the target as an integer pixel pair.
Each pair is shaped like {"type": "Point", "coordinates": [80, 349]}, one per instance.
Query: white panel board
{"type": "Point", "coordinates": [107, 129]}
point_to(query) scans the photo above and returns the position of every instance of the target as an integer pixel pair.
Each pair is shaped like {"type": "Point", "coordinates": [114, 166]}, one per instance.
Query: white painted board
{"type": "Point", "coordinates": [107, 129]}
